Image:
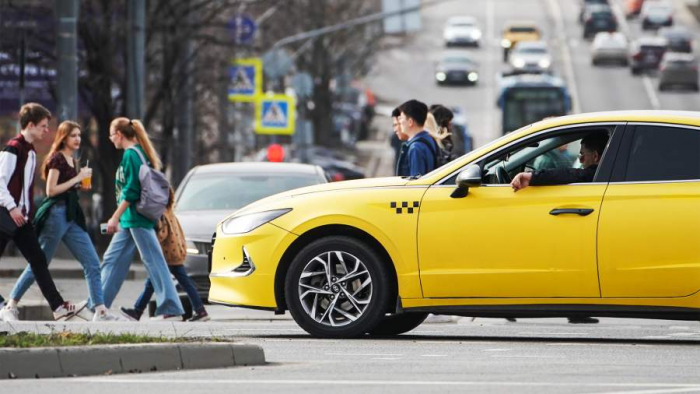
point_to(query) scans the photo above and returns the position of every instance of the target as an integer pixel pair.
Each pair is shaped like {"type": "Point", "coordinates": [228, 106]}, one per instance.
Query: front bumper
{"type": "Point", "coordinates": [231, 282]}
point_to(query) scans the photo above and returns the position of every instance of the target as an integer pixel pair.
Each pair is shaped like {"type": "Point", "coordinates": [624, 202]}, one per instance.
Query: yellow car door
{"type": "Point", "coordinates": [538, 242]}
{"type": "Point", "coordinates": [650, 220]}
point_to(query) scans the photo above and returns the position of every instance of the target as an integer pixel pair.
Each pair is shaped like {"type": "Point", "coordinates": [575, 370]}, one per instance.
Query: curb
{"type": "Point", "coordinates": [71, 273]}
{"type": "Point", "coordinates": [56, 362]}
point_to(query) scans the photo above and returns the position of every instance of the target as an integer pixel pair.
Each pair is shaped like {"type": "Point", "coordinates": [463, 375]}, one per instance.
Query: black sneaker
{"type": "Point", "coordinates": [131, 314]}
{"type": "Point", "coordinates": [200, 317]}
{"type": "Point", "coordinates": [583, 320]}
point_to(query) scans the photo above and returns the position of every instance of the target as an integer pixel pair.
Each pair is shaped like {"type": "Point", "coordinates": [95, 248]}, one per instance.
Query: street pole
{"type": "Point", "coordinates": [185, 133]}
{"type": "Point", "coordinates": [136, 59]}
{"type": "Point", "coordinates": [66, 48]}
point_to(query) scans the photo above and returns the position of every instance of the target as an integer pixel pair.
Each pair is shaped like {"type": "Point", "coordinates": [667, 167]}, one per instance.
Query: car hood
{"type": "Point", "coordinates": [200, 225]}
{"type": "Point", "coordinates": [530, 58]}
{"type": "Point", "coordinates": [322, 188]}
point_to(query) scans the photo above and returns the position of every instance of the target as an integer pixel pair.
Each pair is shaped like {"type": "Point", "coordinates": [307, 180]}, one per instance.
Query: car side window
{"type": "Point", "coordinates": [660, 153]}
{"type": "Point", "coordinates": [555, 152]}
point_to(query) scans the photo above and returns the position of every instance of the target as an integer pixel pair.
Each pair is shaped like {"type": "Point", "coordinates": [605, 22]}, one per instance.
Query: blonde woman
{"type": "Point", "coordinates": [132, 230]}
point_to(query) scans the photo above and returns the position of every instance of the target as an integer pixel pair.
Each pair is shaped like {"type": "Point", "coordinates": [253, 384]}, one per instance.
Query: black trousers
{"type": "Point", "coordinates": [28, 244]}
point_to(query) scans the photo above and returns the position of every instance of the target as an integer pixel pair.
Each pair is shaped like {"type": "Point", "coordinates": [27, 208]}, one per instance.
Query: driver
{"type": "Point", "coordinates": [592, 147]}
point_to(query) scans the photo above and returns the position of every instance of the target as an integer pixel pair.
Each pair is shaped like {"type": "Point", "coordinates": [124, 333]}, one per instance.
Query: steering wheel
{"type": "Point", "coordinates": [502, 175]}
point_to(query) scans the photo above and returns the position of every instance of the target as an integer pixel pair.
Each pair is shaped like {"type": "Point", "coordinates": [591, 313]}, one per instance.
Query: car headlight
{"type": "Point", "coordinates": [449, 35]}
{"type": "Point", "coordinates": [545, 63]}
{"type": "Point", "coordinates": [476, 34]}
{"type": "Point", "coordinates": [440, 76]}
{"type": "Point", "coordinates": [505, 43]}
{"type": "Point", "coordinates": [247, 223]}
{"type": "Point", "coordinates": [191, 247]}
{"type": "Point", "coordinates": [518, 63]}
{"type": "Point", "coordinates": [472, 76]}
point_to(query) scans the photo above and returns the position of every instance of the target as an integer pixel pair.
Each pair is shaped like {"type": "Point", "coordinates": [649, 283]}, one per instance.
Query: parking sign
{"type": "Point", "coordinates": [245, 79]}
{"type": "Point", "coordinates": [275, 114]}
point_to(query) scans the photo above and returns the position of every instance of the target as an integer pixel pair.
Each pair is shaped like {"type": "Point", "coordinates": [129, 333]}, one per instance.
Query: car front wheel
{"type": "Point", "coordinates": [337, 287]}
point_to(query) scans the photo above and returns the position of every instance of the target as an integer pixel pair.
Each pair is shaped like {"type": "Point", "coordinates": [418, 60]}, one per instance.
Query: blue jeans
{"type": "Point", "coordinates": [57, 229]}
{"type": "Point", "coordinates": [183, 279]}
{"type": "Point", "coordinates": [117, 260]}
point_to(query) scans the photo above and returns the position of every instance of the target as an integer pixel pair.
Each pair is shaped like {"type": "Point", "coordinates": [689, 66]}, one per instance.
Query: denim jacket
{"type": "Point", "coordinates": [416, 158]}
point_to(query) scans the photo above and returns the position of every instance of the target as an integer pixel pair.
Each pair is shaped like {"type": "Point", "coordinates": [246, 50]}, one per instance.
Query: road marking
{"type": "Point", "coordinates": [646, 81]}
{"type": "Point", "coordinates": [651, 92]}
{"type": "Point", "coordinates": [661, 391]}
{"type": "Point", "coordinates": [679, 328]}
{"type": "Point", "coordinates": [551, 333]}
{"type": "Point", "coordinates": [336, 383]}
{"type": "Point", "coordinates": [387, 358]}
{"type": "Point", "coordinates": [497, 350]}
{"type": "Point", "coordinates": [523, 356]}
{"type": "Point", "coordinates": [566, 55]}
{"type": "Point", "coordinates": [433, 355]}
{"type": "Point", "coordinates": [365, 354]}
{"type": "Point", "coordinates": [489, 133]}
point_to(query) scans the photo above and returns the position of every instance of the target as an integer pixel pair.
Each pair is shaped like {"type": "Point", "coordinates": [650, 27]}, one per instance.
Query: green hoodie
{"type": "Point", "coordinates": [128, 187]}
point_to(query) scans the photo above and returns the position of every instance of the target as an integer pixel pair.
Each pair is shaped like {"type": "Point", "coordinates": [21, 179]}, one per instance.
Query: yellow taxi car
{"type": "Point", "coordinates": [376, 256]}
{"type": "Point", "coordinates": [515, 32]}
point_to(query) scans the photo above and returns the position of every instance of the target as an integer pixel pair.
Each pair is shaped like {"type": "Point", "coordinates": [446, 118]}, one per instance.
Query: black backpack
{"type": "Point", "coordinates": [442, 156]}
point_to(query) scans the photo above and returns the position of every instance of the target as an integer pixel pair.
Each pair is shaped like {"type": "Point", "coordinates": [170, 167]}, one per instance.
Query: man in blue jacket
{"type": "Point", "coordinates": [418, 154]}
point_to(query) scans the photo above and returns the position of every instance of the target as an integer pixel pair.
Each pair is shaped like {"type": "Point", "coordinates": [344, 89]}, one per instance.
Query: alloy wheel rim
{"type": "Point", "coordinates": [335, 288]}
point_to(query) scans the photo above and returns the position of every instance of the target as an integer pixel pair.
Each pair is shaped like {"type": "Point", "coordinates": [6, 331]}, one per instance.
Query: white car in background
{"type": "Point", "coordinates": [462, 30]}
{"type": "Point", "coordinates": [610, 48]}
{"type": "Point", "coordinates": [656, 14]}
{"type": "Point", "coordinates": [530, 57]}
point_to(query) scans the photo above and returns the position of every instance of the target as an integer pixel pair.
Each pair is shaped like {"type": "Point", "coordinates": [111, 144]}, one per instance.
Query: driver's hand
{"type": "Point", "coordinates": [521, 181]}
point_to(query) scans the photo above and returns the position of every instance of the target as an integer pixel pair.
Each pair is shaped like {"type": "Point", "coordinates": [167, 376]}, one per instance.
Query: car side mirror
{"type": "Point", "coordinates": [469, 177]}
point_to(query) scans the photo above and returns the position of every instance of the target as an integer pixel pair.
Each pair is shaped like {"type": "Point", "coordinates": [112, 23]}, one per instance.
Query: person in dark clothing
{"type": "Point", "coordinates": [398, 138]}
{"type": "Point", "coordinates": [592, 148]}
{"type": "Point", "coordinates": [418, 155]}
{"type": "Point", "coordinates": [17, 167]}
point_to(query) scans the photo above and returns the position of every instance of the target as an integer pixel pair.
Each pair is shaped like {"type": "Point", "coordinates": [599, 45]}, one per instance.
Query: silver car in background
{"type": "Point", "coordinates": [609, 48]}
{"type": "Point", "coordinates": [210, 193]}
{"type": "Point", "coordinates": [678, 69]}
{"type": "Point", "coordinates": [462, 30]}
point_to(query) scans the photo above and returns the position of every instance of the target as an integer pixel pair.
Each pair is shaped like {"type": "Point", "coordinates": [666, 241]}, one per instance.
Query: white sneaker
{"type": "Point", "coordinates": [9, 313]}
{"type": "Point", "coordinates": [64, 312]}
{"type": "Point", "coordinates": [107, 315]}
{"type": "Point", "coordinates": [82, 312]}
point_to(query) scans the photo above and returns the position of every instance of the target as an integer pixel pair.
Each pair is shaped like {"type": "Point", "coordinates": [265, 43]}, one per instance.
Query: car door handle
{"type": "Point", "coordinates": [574, 211]}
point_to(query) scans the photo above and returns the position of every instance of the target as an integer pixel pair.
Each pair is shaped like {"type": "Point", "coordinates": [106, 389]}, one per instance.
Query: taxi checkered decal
{"type": "Point", "coordinates": [404, 206]}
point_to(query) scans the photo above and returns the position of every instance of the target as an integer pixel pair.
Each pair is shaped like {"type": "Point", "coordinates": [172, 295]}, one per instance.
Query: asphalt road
{"type": "Point", "coordinates": [482, 356]}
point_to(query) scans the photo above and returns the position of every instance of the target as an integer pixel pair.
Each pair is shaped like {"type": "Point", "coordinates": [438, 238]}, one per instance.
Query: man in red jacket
{"type": "Point", "coordinates": [17, 168]}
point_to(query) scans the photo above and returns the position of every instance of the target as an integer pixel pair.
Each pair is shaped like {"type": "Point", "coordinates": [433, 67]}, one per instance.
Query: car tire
{"type": "Point", "coordinates": [398, 324]}
{"type": "Point", "coordinates": [594, 62]}
{"type": "Point", "coordinates": [695, 87]}
{"type": "Point", "coordinates": [325, 305]}
{"type": "Point", "coordinates": [662, 87]}
{"type": "Point", "coordinates": [635, 71]}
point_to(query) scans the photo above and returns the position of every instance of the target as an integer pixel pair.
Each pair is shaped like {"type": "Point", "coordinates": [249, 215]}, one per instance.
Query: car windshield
{"type": "Point", "coordinates": [532, 50]}
{"type": "Point", "coordinates": [523, 30]}
{"type": "Point", "coordinates": [460, 60]}
{"type": "Point", "coordinates": [234, 191]}
{"type": "Point", "coordinates": [462, 24]}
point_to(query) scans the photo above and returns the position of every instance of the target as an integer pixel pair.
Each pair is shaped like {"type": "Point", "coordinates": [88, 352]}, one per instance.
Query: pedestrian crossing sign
{"type": "Point", "coordinates": [275, 114]}
{"type": "Point", "coordinates": [245, 79]}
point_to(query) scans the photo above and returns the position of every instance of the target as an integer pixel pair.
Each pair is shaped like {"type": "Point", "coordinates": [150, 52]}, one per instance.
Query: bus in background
{"type": "Point", "coordinates": [525, 99]}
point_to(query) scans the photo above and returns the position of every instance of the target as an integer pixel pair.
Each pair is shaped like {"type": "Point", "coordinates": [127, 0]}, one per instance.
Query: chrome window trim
{"type": "Point", "coordinates": [654, 182]}
{"type": "Point", "coordinates": [537, 134]}
{"type": "Point", "coordinates": [496, 185]}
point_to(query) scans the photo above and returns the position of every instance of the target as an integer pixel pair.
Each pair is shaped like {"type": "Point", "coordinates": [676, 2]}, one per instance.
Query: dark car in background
{"type": "Point", "coordinates": [679, 38]}
{"type": "Point", "coordinates": [598, 18]}
{"type": "Point", "coordinates": [456, 68]}
{"type": "Point", "coordinates": [210, 193]}
{"type": "Point", "coordinates": [646, 53]}
{"type": "Point", "coordinates": [588, 3]}
{"type": "Point", "coordinates": [678, 69]}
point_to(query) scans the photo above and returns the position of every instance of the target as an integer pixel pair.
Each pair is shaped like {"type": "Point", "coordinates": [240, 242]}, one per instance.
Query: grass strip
{"type": "Point", "coordinates": [29, 340]}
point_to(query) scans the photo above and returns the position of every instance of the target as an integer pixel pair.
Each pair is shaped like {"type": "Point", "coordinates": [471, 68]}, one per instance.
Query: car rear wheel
{"type": "Point", "coordinates": [337, 287]}
{"type": "Point", "coordinates": [398, 324]}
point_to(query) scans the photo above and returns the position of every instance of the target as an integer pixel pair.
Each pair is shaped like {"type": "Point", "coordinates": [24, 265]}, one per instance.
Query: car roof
{"type": "Point", "coordinates": [259, 168]}
{"type": "Point", "coordinates": [652, 116]}
{"type": "Point", "coordinates": [461, 19]}
{"type": "Point", "coordinates": [522, 24]}
{"type": "Point", "coordinates": [652, 40]}
{"type": "Point", "coordinates": [676, 56]}
{"type": "Point", "coordinates": [675, 31]}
